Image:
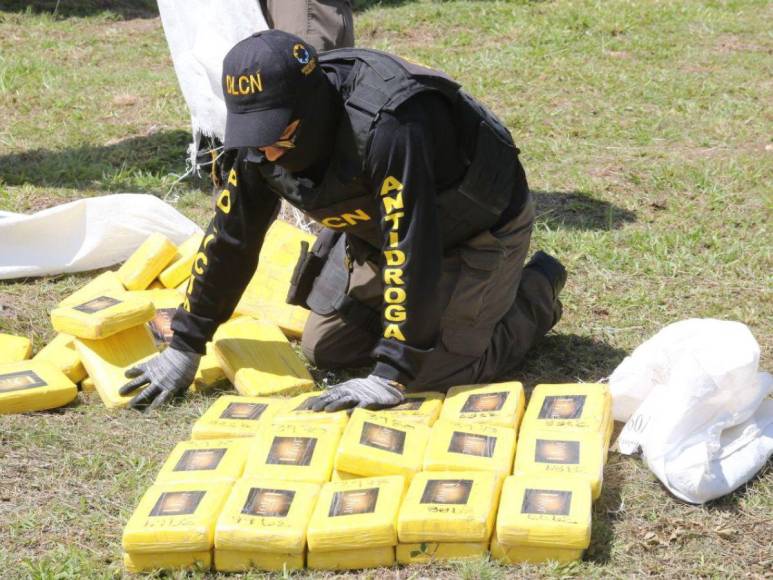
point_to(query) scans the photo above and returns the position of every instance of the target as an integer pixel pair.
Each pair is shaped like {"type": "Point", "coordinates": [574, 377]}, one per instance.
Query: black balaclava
{"type": "Point", "coordinates": [318, 112]}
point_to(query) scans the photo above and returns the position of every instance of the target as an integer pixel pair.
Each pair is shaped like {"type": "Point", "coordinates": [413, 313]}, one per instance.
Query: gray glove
{"type": "Point", "coordinates": [371, 392]}
{"type": "Point", "coordinates": [166, 375]}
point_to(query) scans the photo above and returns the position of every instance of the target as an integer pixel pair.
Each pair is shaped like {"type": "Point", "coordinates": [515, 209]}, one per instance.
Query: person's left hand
{"type": "Point", "coordinates": [371, 392]}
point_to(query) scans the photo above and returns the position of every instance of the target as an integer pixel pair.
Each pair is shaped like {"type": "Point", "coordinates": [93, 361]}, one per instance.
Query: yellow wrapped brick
{"type": "Point", "coordinates": [165, 302]}
{"type": "Point", "coordinates": [14, 348]}
{"type": "Point", "coordinates": [258, 359]}
{"type": "Point", "coordinates": [359, 559]}
{"type": "Point", "coordinates": [466, 446]}
{"type": "Point", "coordinates": [562, 453]}
{"type": "Point", "coordinates": [61, 353]}
{"type": "Point", "coordinates": [233, 416]}
{"type": "Point", "coordinates": [373, 444]}
{"type": "Point", "coordinates": [356, 513]}
{"type": "Point", "coordinates": [449, 506]}
{"type": "Point", "coordinates": [33, 386]}
{"type": "Point", "coordinates": [102, 317]}
{"type": "Point", "coordinates": [106, 283]}
{"type": "Point", "coordinates": [294, 453]}
{"type": "Point", "coordinates": [586, 407]}
{"type": "Point", "coordinates": [205, 461]}
{"type": "Point", "coordinates": [292, 414]}
{"type": "Point", "coordinates": [263, 525]}
{"type": "Point", "coordinates": [174, 526]}
{"type": "Point", "coordinates": [209, 374]}
{"type": "Point", "coordinates": [428, 552]}
{"type": "Point", "coordinates": [421, 408]}
{"type": "Point", "coordinates": [266, 294]}
{"type": "Point", "coordinates": [147, 262]}
{"type": "Point", "coordinates": [493, 404]}
{"type": "Point", "coordinates": [87, 385]}
{"type": "Point", "coordinates": [107, 360]}
{"type": "Point", "coordinates": [550, 513]}
{"type": "Point", "coordinates": [180, 269]}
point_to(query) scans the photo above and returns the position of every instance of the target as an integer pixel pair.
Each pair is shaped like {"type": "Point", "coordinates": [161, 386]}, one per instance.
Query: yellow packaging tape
{"type": "Point", "coordinates": [292, 414]}
{"type": "Point", "coordinates": [107, 360]}
{"type": "Point", "coordinates": [352, 559]}
{"type": "Point", "coordinates": [180, 269]}
{"type": "Point", "coordinates": [567, 452]}
{"type": "Point", "coordinates": [531, 554]}
{"type": "Point", "coordinates": [266, 294]}
{"type": "Point", "coordinates": [493, 404]}
{"type": "Point", "coordinates": [240, 561]}
{"type": "Point", "coordinates": [356, 513]}
{"type": "Point", "coordinates": [205, 461]}
{"type": "Point", "coordinates": [449, 506]}
{"type": "Point", "coordinates": [33, 386]}
{"type": "Point", "coordinates": [294, 452]}
{"type": "Point", "coordinates": [427, 552]}
{"type": "Point", "coordinates": [147, 262]}
{"type": "Point", "coordinates": [467, 446]}
{"type": "Point", "coordinates": [421, 408]}
{"type": "Point", "coordinates": [234, 416]}
{"type": "Point", "coordinates": [139, 562]}
{"type": "Point", "coordinates": [258, 359]}
{"type": "Point", "coordinates": [14, 348]}
{"type": "Point", "coordinates": [545, 512]}
{"type": "Point", "coordinates": [61, 353]}
{"type": "Point", "coordinates": [103, 316]}
{"type": "Point", "coordinates": [374, 444]}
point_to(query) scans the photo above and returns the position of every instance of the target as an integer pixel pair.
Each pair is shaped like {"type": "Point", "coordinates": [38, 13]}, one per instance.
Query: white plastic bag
{"type": "Point", "coordinates": [692, 399]}
{"type": "Point", "coordinates": [199, 34]}
{"type": "Point", "coordinates": [85, 234]}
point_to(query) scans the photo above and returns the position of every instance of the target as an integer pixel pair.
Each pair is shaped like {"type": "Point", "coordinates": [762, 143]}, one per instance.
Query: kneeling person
{"type": "Point", "coordinates": [427, 213]}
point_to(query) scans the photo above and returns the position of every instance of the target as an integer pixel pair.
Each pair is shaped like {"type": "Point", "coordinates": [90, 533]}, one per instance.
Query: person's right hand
{"type": "Point", "coordinates": [167, 375]}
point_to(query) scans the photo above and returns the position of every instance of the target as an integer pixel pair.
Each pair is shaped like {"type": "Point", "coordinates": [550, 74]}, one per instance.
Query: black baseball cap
{"type": "Point", "coordinates": [264, 75]}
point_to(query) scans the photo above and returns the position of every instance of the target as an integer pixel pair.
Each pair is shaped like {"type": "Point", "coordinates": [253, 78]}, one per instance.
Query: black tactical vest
{"type": "Point", "coordinates": [380, 82]}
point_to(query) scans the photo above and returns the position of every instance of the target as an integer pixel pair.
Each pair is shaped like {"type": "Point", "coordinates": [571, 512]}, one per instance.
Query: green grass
{"type": "Point", "coordinates": [645, 132]}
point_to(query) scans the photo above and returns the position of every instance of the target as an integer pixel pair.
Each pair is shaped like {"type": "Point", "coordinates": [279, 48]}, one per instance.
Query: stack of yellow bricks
{"type": "Point", "coordinates": [264, 484]}
{"type": "Point", "coordinates": [123, 317]}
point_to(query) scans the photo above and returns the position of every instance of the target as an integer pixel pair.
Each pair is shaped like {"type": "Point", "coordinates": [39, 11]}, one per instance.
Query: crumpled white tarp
{"type": "Point", "coordinates": [85, 234]}
{"type": "Point", "coordinates": [695, 406]}
{"type": "Point", "coordinates": [199, 34]}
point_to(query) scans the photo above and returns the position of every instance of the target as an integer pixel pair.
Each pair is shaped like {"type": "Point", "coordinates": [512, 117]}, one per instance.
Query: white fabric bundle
{"type": "Point", "coordinates": [199, 34]}
{"type": "Point", "coordinates": [694, 404]}
{"type": "Point", "coordinates": [85, 234]}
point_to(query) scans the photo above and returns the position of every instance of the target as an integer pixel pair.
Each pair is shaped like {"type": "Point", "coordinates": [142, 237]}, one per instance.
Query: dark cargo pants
{"type": "Point", "coordinates": [324, 24]}
{"type": "Point", "coordinates": [495, 310]}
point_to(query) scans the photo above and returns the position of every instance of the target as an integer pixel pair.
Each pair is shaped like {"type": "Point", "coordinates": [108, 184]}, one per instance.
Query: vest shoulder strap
{"type": "Point", "coordinates": [382, 82]}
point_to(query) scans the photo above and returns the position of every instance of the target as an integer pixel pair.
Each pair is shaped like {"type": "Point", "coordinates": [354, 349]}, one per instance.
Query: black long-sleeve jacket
{"type": "Point", "coordinates": [390, 202]}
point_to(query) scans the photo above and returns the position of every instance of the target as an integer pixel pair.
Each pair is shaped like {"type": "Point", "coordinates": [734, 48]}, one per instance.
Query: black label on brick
{"type": "Point", "coordinates": [447, 491]}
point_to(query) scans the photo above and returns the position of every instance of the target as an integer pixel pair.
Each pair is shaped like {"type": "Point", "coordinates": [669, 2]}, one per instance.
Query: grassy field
{"type": "Point", "coordinates": [645, 131]}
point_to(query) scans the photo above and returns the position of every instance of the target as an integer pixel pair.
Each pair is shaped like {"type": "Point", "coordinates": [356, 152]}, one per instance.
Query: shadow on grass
{"type": "Point", "coordinates": [120, 166]}
{"type": "Point", "coordinates": [568, 358]}
{"type": "Point", "coordinates": [123, 9]}
{"type": "Point", "coordinates": [578, 210]}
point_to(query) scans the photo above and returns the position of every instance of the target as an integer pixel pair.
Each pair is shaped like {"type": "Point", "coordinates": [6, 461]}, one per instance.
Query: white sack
{"type": "Point", "coordinates": [692, 399]}
{"type": "Point", "coordinates": [199, 34]}
{"type": "Point", "coordinates": [85, 234]}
